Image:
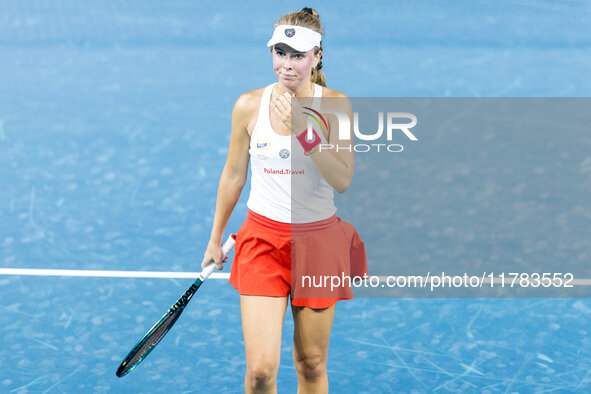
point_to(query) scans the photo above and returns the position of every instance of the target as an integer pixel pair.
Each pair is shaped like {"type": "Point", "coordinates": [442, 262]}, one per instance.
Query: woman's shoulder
{"type": "Point", "coordinates": [344, 104]}
{"type": "Point", "coordinates": [249, 101]}
{"type": "Point", "coordinates": [246, 109]}
{"type": "Point", "coordinates": [326, 92]}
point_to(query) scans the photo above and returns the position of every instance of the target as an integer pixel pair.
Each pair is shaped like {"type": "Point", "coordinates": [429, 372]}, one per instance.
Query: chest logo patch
{"type": "Point", "coordinates": [262, 145]}
{"type": "Point", "coordinates": [284, 153]}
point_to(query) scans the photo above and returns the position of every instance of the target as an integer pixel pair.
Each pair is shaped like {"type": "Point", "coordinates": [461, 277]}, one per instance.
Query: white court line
{"type": "Point", "coordinates": [108, 274]}
{"type": "Point", "coordinates": [189, 275]}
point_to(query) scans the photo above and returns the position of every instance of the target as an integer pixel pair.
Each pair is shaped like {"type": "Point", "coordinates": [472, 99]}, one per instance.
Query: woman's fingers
{"type": "Point", "coordinates": [285, 105]}
{"type": "Point", "coordinates": [210, 255]}
{"type": "Point", "coordinates": [283, 109]}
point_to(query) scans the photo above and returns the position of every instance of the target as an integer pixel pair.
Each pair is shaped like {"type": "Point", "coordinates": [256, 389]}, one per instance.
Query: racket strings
{"type": "Point", "coordinates": [152, 339]}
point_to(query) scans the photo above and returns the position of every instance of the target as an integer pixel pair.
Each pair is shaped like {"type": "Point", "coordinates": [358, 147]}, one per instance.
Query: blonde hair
{"type": "Point", "coordinates": [309, 18]}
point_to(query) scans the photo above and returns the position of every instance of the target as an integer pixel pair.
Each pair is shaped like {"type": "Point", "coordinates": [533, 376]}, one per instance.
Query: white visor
{"type": "Point", "coordinates": [299, 38]}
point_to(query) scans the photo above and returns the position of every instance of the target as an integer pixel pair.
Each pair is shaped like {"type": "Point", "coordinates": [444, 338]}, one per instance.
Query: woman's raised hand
{"type": "Point", "coordinates": [290, 112]}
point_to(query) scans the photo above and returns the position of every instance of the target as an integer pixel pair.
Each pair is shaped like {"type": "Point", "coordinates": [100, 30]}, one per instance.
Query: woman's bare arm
{"type": "Point", "coordinates": [233, 177]}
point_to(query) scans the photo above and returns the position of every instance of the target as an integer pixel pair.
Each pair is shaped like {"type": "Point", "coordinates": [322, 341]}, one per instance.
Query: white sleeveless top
{"type": "Point", "coordinates": [277, 165]}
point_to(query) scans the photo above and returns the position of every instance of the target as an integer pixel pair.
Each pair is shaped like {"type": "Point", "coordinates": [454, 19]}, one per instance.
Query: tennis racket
{"type": "Point", "coordinates": [161, 328]}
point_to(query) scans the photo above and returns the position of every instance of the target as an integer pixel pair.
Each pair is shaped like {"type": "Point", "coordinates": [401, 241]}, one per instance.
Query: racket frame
{"type": "Point", "coordinates": [174, 311]}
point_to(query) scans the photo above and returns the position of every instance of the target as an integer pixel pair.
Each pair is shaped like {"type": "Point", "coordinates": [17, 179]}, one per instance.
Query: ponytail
{"type": "Point", "coordinates": [317, 75]}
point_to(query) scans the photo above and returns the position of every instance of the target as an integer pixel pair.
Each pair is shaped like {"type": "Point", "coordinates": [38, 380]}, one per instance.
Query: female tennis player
{"type": "Point", "coordinates": [286, 237]}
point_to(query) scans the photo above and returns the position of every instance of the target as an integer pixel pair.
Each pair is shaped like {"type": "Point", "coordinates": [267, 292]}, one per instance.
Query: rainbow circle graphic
{"type": "Point", "coordinates": [317, 116]}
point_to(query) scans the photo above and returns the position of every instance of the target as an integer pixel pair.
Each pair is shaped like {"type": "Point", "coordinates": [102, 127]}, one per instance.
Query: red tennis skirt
{"type": "Point", "coordinates": [315, 263]}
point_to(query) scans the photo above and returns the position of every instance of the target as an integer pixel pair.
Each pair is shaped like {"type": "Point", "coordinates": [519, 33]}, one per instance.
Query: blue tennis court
{"type": "Point", "coordinates": [114, 127]}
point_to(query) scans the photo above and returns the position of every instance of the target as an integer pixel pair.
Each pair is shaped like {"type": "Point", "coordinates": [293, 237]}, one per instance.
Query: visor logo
{"type": "Point", "coordinates": [290, 32]}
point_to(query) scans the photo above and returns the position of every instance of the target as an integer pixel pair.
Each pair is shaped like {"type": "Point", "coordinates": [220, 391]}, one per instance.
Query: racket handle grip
{"type": "Point", "coordinates": [226, 248]}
